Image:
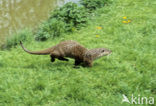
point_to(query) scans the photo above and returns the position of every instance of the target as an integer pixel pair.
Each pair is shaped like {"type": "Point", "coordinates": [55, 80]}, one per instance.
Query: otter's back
{"type": "Point", "coordinates": [70, 48]}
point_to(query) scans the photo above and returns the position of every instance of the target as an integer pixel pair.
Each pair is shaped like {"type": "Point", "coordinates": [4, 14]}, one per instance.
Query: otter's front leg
{"type": "Point", "coordinates": [88, 63]}
{"type": "Point", "coordinates": [77, 62]}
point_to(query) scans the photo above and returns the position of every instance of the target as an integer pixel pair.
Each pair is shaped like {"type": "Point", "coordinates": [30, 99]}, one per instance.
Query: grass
{"type": "Point", "coordinates": [131, 69]}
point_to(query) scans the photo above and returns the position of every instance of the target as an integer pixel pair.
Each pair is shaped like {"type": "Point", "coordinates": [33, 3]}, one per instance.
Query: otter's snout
{"type": "Point", "coordinates": [109, 51]}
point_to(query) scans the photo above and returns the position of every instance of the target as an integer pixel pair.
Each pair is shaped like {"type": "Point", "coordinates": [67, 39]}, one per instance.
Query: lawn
{"type": "Point", "coordinates": [130, 70]}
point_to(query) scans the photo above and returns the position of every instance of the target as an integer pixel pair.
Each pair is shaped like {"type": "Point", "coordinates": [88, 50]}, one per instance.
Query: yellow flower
{"type": "Point", "coordinates": [97, 36]}
{"type": "Point", "coordinates": [73, 29]}
{"type": "Point", "coordinates": [129, 21]}
{"type": "Point", "coordinates": [99, 27]}
{"type": "Point", "coordinates": [124, 22]}
{"type": "Point", "coordinates": [125, 17]}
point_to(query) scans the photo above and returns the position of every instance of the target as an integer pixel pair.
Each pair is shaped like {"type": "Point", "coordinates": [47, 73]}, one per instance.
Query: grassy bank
{"type": "Point", "coordinates": [131, 69]}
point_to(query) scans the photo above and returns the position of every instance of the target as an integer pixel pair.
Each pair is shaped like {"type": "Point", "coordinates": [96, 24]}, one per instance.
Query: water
{"type": "Point", "coordinates": [19, 14]}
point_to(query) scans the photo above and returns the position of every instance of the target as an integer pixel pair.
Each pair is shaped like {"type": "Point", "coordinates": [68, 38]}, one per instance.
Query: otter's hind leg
{"type": "Point", "coordinates": [54, 55]}
{"type": "Point", "coordinates": [58, 56]}
{"type": "Point", "coordinates": [63, 59]}
{"type": "Point", "coordinates": [52, 58]}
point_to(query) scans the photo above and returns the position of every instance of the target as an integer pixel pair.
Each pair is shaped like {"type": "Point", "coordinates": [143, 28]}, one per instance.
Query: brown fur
{"type": "Point", "coordinates": [70, 49]}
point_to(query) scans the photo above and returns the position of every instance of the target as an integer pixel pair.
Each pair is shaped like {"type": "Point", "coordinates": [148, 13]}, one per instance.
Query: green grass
{"type": "Point", "coordinates": [131, 68]}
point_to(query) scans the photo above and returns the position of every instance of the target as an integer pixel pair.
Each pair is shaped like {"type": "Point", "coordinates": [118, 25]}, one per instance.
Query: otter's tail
{"type": "Point", "coordinates": [42, 52]}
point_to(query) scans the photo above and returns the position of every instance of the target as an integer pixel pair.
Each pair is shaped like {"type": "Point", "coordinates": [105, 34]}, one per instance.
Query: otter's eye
{"type": "Point", "coordinates": [103, 50]}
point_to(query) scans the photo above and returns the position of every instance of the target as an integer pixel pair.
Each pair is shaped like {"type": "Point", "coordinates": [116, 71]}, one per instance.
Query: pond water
{"type": "Point", "coordinates": [19, 14]}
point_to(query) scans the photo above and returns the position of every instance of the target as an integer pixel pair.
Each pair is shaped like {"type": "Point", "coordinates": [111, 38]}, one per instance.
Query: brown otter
{"type": "Point", "coordinates": [71, 49]}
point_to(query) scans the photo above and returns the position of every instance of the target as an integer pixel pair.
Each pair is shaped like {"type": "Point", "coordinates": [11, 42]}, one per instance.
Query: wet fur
{"type": "Point", "coordinates": [71, 49]}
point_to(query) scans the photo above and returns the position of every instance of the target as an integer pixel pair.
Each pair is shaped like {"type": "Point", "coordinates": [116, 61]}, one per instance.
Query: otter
{"type": "Point", "coordinates": [71, 49]}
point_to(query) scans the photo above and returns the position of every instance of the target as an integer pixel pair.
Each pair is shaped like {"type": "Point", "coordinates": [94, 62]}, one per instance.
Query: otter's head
{"type": "Point", "coordinates": [102, 52]}
{"type": "Point", "coordinates": [97, 53]}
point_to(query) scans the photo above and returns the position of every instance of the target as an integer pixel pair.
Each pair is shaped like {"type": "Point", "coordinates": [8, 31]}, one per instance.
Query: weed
{"type": "Point", "coordinates": [94, 4]}
{"type": "Point", "coordinates": [24, 35]}
{"type": "Point", "coordinates": [64, 19]}
{"type": "Point", "coordinates": [50, 29]}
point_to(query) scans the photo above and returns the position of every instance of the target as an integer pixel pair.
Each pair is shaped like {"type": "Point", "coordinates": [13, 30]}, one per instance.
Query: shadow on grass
{"type": "Point", "coordinates": [48, 65]}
